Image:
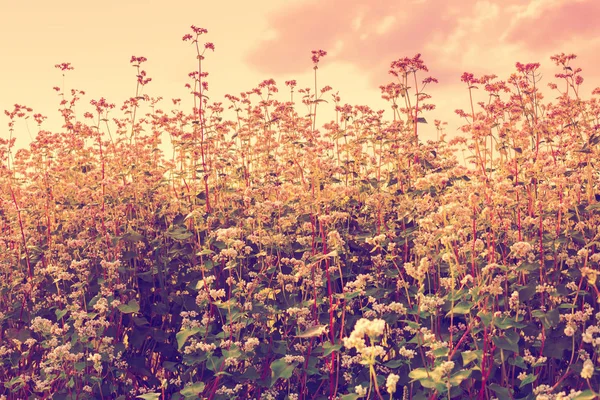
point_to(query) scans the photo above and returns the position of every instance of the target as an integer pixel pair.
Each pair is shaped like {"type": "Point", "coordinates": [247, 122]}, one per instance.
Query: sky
{"type": "Point", "coordinates": [262, 39]}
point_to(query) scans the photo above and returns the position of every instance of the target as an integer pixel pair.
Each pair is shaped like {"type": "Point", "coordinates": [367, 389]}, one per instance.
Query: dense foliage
{"type": "Point", "coordinates": [268, 259]}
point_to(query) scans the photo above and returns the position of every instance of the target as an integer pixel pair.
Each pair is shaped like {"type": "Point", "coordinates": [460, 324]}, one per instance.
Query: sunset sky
{"type": "Point", "coordinates": [257, 40]}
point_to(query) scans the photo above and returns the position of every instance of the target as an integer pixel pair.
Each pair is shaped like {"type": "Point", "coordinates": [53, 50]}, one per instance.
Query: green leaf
{"type": "Point", "coordinates": [329, 348]}
{"type": "Point", "coordinates": [507, 323]}
{"type": "Point", "coordinates": [567, 306]}
{"type": "Point", "coordinates": [281, 369]}
{"type": "Point", "coordinates": [418, 373]}
{"type": "Point", "coordinates": [464, 307]}
{"type": "Point", "coordinates": [486, 317]}
{"type": "Point", "coordinates": [529, 267]}
{"type": "Point", "coordinates": [140, 321]}
{"type": "Point", "coordinates": [183, 335]}
{"type": "Point", "coordinates": [510, 341]}
{"type": "Point", "coordinates": [440, 352]}
{"type": "Point", "coordinates": [528, 379]}
{"type": "Point", "coordinates": [518, 361]}
{"type": "Point", "coordinates": [193, 390]}
{"type": "Point", "coordinates": [469, 356]}
{"type": "Point", "coordinates": [131, 307]}
{"type": "Point", "coordinates": [179, 232]}
{"type": "Point", "coordinates": [549, 319]}
{"type": "Point", "coordinates": [149, 396]}
{"type": "Point", "coordinates": [60, 313]}
{"type": "Point", "coordinates": [585, 395]}
{"type": "Point", "coordinates": [132, 236]}
{"type": "Point", "coordinates": [457, 378]}
{"type": "Point", "coordinates": [430, 380]}
{"type": "Point", "coordinates": [312, 332]}
{"type": "Point", "coordinates": [501, 392]}
{"type": "Point", "coordinates": [394, 363]}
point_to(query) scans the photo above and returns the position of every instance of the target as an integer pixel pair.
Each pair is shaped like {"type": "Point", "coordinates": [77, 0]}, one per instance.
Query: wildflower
{"type": "Point", "coordinates": [217, 294]}
{"type": "Point", "coordinates": [521, 249]}
{"type": "Point", "coordinates": [317, 54]}
{"type": "Point", "coordinates": [446, 367]}
{"type": "Point", "coordinates": [569, 331]}
{"type": "Point", "coordinates": [588, 369]}
{"type": "Point", "coordinates": [360, 390]}
{"type": "Point", "coordinates": [96, 359]}
{"type": "Point", "coordinates": [410, 354]}
{"type": "Point", "coordinates": [251, 344]}
{"type": "Point", "coordinates": [391, 382]}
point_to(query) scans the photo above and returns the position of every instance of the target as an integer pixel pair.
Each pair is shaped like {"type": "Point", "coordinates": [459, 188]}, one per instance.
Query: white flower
{"type": "Point", "coordinates": [446, 367]}
{"type": "Point", "coordinates": [372, 328]}
{"type": "Point", "coordinates": [588, 369]}
{"type": "Point", "coordinates": [391, 382]}
{"type": "Point", "coordinates": [521, 249]}
{"type": "Point", "coordinates": [569, 331]}
{"type": "Point", "coordinates": [410, 354]}
{"type": "Point", "coordinates": [361, 391]}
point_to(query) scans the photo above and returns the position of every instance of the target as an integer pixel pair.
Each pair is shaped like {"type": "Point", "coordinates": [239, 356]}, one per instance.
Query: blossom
{"type": "Point", "coordinates": [390, 383]}
{"type": "Point", "coordinates": [360, 390]}
{"type": "Point", "coordinates": [588, 369]}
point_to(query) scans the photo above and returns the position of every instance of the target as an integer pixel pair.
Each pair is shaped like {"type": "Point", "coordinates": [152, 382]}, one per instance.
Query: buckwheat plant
{"type": "Point", "coordinates": [237, 249]}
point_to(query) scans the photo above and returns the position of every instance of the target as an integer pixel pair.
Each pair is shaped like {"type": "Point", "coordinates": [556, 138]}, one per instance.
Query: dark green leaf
{"type": "Point", "coordinates": [131, 307]}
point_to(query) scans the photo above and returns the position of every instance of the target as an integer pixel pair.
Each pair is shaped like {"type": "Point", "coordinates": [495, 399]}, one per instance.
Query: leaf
{"type": "Point", "coordinates": [281, 369]}
{"type": "Point", "coordinates": [501, 392]}
{"type": "Point", "coordinates": [350, 397]}
{"type": "Point", "coordinates": [428, 379]}
{"type": "Point", "coordinates": [132, 236]}
{"type": "Point", "coordinates": [508, 322]}
{"type": "Point", "coordinates": [179, 232]}
{"type": "Point", "coordinates": [549, 319]}
{"type": "Point", "coordinates": [131, 307]}
{"type": "Point", "coordinates": [149, 396]}
{"type": "Point", "coordinates": [329, 348]}
{"type": "Point", "coordinates": [183, 335]}
{"type": "Point", "coordinates": [486, 317]}
{"type": "Point", "coordinates": [418, 373]}
{"type": "Point", "coordinates": [60, 313]}
{"type": "Point", "coordinates": [464, 307]}
{"type": "Point", "coordinates": [140, 321]}
{"type": "Point", "coordinates": [585, 395]}
{"type": "Point", "coordinates": [594, 206]}
{"type": "Point", "coordinates": [457, 378]}
{"type": "Point", "coordinates": [510, 341]}
{"type": "Point", "coordinates": [422, 120]}
{"type": "Point", "coordinates": [529, 267]}
{"type": "Point", "coordinates": [394, 363]}
{"type": "Point", "coordinates": [469, 356]}
{"type": "Point", "coordinates": [312, 332]}
{"type": "Point", "coordinates": [528, 379]}
{"type": "Point", "coordinates": [192, 390]}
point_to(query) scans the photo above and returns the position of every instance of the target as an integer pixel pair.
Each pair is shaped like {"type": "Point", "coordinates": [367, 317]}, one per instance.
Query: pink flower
{"type": "Point", "coordinates": [317, 54]}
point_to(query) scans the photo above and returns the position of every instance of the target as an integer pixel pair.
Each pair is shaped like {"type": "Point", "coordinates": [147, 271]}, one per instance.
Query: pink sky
{"type": "Point", "coordinates": [256, 40]}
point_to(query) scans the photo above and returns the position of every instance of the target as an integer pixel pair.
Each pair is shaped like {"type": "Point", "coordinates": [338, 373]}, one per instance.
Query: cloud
{"type": "Point", "coordinates": [550, 27]}
{"type": "Point", "coordinates": [475, 36]}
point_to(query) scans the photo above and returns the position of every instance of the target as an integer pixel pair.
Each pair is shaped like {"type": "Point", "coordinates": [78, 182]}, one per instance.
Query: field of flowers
{"type": "Point", "coordinates": [266, 258]}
